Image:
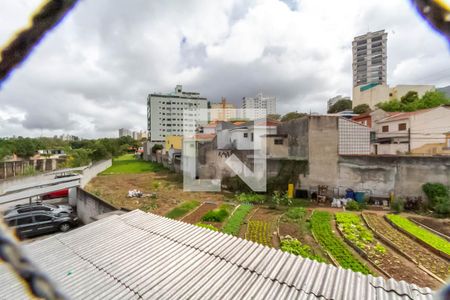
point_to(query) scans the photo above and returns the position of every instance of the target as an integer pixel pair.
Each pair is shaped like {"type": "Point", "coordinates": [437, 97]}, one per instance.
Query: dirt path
{"type": "Point", "coordinates": [197, 214]}
{"type": "Point", "coordinates": [437, 265]}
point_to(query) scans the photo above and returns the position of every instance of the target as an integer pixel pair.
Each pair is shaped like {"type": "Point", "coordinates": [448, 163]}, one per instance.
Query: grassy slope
{"type": "Point", "coordinates": [128, 164]}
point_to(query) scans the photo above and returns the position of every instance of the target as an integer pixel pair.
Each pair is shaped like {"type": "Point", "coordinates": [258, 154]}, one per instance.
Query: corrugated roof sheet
{"type": "Point", "coordinates": [145, 256]}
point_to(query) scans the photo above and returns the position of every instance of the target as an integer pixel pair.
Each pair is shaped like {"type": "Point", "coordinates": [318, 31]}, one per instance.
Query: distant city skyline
{"type": "Point", "coordinates": [91, 75]}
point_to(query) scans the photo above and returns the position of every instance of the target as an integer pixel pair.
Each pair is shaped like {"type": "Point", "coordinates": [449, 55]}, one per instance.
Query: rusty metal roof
{"type": "Point", "coordinates": [145, 256]}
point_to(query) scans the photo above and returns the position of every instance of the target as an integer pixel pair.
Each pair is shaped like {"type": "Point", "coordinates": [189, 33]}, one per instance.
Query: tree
{"type": "Point", "coordinates": [410, 102]}
{"type": "Point", "coordinates": [156, 147]}
{"type": "Point", "coordinates": [410, 97]}
{"type": "Point", "coordinates": [361, 109]}
{"type": "Point", "coordinates": [273, 116]}
{"type": "Point", "coordinates": [292, 116]}
{"type": "Point", "coordinates": [340, 105]}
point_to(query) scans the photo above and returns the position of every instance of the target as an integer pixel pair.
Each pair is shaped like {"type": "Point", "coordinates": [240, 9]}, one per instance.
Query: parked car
{"type": "Point", "coordinates": [36, 223]}
{"type": "Point", "coordinates": [38, 207]}
{"type": "Point", "coordinates": [56, 194]}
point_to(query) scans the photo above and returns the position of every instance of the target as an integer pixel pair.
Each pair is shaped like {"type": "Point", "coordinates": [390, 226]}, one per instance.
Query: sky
{"type": "Point", "coordinates": [91, 75]}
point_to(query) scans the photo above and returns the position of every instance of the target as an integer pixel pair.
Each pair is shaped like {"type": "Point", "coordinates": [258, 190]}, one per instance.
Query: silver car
{"type": "Point", "coordinates": [39, 207]}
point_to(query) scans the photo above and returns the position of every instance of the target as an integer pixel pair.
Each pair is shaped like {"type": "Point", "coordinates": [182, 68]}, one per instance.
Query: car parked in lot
{"type": "Point", "coordinates": [36, 223]}
{"type": "Point", "coordinates": [38, 207]}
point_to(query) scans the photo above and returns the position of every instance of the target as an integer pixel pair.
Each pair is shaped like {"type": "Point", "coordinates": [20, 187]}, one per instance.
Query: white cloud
{"type": "Point", "coordinates": [91, 75]}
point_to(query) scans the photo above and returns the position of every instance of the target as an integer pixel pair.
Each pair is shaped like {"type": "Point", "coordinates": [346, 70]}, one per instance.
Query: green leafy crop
{"type": "Point", "coordinates": [321, 227]}
{"type": "Point", "coordinates": [431, 239]}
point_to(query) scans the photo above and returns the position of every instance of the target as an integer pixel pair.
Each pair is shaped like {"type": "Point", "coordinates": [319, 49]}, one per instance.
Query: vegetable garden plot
{"type": "Point", "coordinates": [234, 223]}
{"type": "Point", "coordinates": [259, 232]}
{"type": "Point", "coordinates": [422, 234]}
{"type": "Point", "coordinates": [354, 230]}
{"type": "Point", "coordinates": [295, 235]}
{"type": "Point", "coordinates": [432, 262]}
{"type": "Point", "coordinates": [321, 227]}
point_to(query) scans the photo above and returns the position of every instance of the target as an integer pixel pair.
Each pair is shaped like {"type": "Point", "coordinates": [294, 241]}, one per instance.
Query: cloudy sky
{"type": "Point", "coordinates": [91, 75]}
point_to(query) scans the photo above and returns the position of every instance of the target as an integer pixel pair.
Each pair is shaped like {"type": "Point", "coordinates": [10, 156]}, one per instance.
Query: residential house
{"type": "Point", "coordinates": [421, 132]}
{"type": "Point", "coordinates": [246, 136]}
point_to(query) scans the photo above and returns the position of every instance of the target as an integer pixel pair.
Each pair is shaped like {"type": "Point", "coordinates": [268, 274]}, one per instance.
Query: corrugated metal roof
{"type": "Point", "coordinates": [145, 256]}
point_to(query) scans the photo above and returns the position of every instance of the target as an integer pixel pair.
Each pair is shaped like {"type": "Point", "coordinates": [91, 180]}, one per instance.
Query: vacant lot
{"type": "Point", "coordinates": [163, 190]}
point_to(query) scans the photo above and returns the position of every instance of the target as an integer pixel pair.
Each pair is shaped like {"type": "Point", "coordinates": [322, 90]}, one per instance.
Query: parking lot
{"type": "Point", "coordinates": [55, 201]}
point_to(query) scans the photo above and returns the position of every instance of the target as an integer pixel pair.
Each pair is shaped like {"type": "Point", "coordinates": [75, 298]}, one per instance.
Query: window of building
{"type": "Point", "coordinates": [245, 134]}
{"type": "Point", "coordinates": [252, 137]}
{"type": "Point", "coordinates": [278, 141]}
{"type": "Point", "coordinates": [385, 128]}
{"type": "Point", "coordinates": [402, 126]}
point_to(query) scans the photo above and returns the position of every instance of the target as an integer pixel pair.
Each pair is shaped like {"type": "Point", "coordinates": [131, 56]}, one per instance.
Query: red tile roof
{"type": "Point", "coordinates": [395, 116]}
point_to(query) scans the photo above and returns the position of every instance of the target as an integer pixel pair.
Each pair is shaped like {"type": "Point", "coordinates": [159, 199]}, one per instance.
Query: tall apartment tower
{"type": "Point", "coordinates": [369, 58]}
{"type": "Point", "coordinates": [165, 112]}
{"type": "Point", "coordinates": [259, 105]}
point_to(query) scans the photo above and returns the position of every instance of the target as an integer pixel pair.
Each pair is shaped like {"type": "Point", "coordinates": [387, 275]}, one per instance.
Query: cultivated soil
{"type": "Point", "coordinates": [271, 216]}
{"type": "Point", "coordinates": [299, 231]}
{"type": "Point", "coordinates": [437, 265]}
{"type": "Point", "coordinates": [442, 226]}
{"type": "Point", "coordinates": [196, 215]}
{"type": "Point", "coordinates": [165, 185]}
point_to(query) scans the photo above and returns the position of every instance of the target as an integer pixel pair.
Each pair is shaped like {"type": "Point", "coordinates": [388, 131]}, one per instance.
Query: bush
{"type": "Point", "coordinates": [216, 215]}
{"type": "Point", "coordinates": [352, 205]}
{"type": "Point", "coordinates": [433, 191]}
{"type": "Point", "coordinates": [281, 198]}
{"type": "Point", "coordinates": [442, 206]}
{"type": "Point", "coordinates": [398, 205]}
{"type": "Point", "coordinates": [295, 213]}
{"type": "Point", "coordinates": [207, 226]}
{"type": "Point", "coordinates": [250, 198]}
{"type": "Point", "coordinates": [156, 147]}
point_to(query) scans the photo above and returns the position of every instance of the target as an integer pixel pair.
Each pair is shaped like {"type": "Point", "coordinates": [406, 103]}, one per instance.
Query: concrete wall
{"type": "Point", "coordinates": [404, 175]}
{"type": "Point", "coordinates": [89, 206]}
{"type": "Point", "coordinates": [93, 170]}
{"type": "Point", "coordinates": [277, 150]}
{"type": "Point", "coordinates": [322, 151]}
{"type": "Point", "coordinates": [391, 149]}
{"type": "Point", "coordinates": [297, 131]}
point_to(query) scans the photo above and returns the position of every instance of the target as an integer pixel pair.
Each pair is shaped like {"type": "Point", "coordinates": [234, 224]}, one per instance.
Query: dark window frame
{"type": "Point", "coordinates": [385, 128]}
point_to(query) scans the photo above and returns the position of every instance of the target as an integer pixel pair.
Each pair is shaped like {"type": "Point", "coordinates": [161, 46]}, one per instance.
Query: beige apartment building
{"type": "Point", "coordinates": [422, 132]}
{"type": "Point", "coordinates": [372, 94]}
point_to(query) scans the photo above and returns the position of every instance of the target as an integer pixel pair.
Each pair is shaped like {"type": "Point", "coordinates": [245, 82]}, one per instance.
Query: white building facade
{"type": "Point", "coordinates": [260, 106]}
{"type": "Point", "coordinates": [165, 112]}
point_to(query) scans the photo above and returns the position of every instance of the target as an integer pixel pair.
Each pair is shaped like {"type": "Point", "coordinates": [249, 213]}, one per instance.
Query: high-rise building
{"type": "Point", "coordinates": [165, 112]}
{"type": "Point", "coordinates": [125, 132]}
{"type": "Point", "coordinates": [369, 58]}
{"type": "Point", "coordinates": [259, 106]}
{"type": "Point", "coordinates": [222, 111]}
